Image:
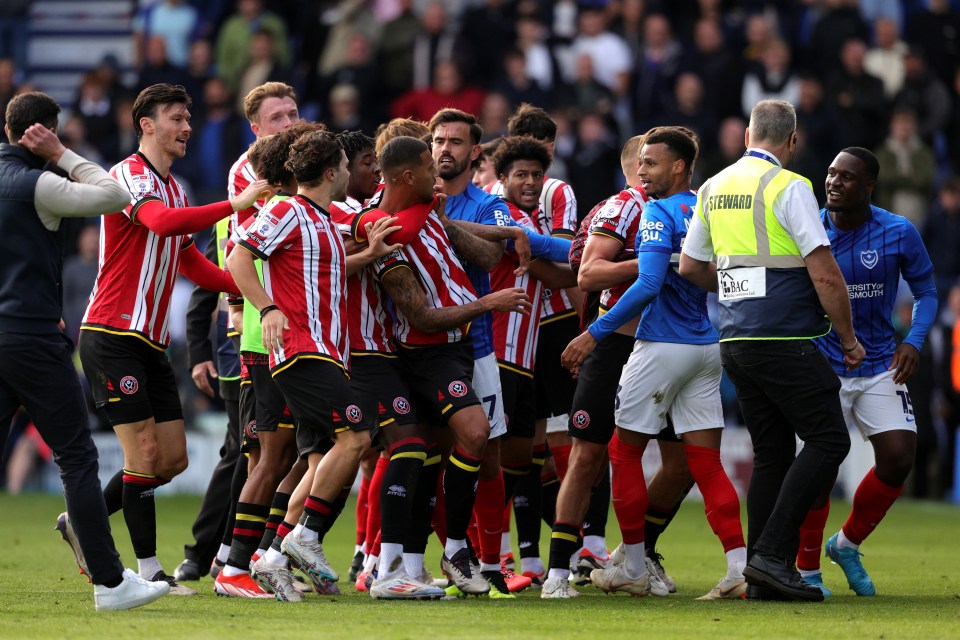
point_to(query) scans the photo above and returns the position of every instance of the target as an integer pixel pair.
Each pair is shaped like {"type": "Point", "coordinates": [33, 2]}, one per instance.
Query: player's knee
{"type": "Point", "coordinates": [893, 469]}
{"type": "Point", "coordinates": [354, 443]}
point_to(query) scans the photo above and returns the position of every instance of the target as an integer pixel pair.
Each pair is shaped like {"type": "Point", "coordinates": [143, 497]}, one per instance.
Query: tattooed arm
{"type": "Point", "coordinates": [405, 291]}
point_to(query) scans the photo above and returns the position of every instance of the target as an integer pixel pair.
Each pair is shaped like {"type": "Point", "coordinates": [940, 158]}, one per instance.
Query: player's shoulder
{"type": "Point", "coordinates": [890, 220]}
{"type": "Point", "coordinates": [239, 164]}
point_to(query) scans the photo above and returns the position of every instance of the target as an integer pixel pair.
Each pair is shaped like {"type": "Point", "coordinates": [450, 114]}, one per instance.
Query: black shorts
{"type": "Point", "coordinates": [130, 378]}
{"type": "Point", "coordinates": [554, 385]}
{"type": "Point", "coordinates": [382, 391]}
{"type": "Point", "coordinates": [519, 403]}
{"type": "Point", "coordinates": [321, 401]}
{"type": "Point", "coordinates": [591, 413]}
{"type": "Point", "coordinates": [440, 378]}
{"type": "Point", "coordinates": [262, 406]}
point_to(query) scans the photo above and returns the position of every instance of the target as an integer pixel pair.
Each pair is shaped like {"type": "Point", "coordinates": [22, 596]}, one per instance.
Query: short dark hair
{"type": "Point", "coordinates": [870, 162]}
{"type": "Point", "coordinates": [402, 152]}
{"type": "Point", "coordinates": [157, 96]}
{"type": "Point", "coordinates": [680, 141]}
{"type": "Point", "coordinates": [354, 143]}
{"type": "Point", "coordinates": [28, 109]}
{"type": "Point", "coordinates": [489, 149]}
{"type": "Point", "coordinates": [449, 115]}
{"type": "Point", "coordinates": [520, 148]}
{"type": "Point", "coordinates": [529, 120]}
{"type": "Point", "coordinates": [268, 155]}
{"type": "Point", "coordinates": [311, 154]}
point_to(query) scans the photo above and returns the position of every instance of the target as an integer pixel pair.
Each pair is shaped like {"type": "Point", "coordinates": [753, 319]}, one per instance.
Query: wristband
{"type": "Point", "coordinates": [856, 343]}
{"type": "Point", "coordinates": [271, 307]}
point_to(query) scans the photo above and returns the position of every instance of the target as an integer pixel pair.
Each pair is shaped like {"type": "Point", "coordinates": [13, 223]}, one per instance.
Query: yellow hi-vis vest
{"type": "Point", "coordinates": [764, 289]}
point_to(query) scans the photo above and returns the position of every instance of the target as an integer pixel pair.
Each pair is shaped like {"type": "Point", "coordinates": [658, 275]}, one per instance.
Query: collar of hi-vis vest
{"type": "Point", "coordinates": [757, 203]}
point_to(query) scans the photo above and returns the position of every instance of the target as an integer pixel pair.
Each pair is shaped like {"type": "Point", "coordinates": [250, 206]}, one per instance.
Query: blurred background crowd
{"type": "Point", "coordinates": [882, 74]}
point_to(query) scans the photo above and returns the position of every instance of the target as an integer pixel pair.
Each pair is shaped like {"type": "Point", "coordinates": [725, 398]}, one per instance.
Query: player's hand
{"type": "Point", "coordinates": [440, 206]}
{"type": "Point", "coordinates": [854, 358]}
{"type": "Point", "coordinates": [201, 374]}
{"type": "Point", "coordinates": [377, 233]}
{"type": "Point", "coordinates": [906, 359]}
{"type": "Point", "coordinates": [255, 191]}
{"type": "Point", "coordinates": [508, 300]}
{"type": "Point", "coordinates": [578, 349]}
{"type": "Point", "coordinates": [43, 142]}
{"type": "Point", "coordinates": [272, 327]}
{"type": "Point", "coordinates": [521, 244]}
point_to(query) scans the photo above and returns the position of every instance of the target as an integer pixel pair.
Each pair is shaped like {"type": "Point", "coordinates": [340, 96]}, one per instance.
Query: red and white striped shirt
{"type": "Point", "coordinates": [441, 276]}
{"type": "Point", "coordinates": [515, 334]}
{"type": "Point", "coordinates": [240, 177]}
{"type": "Point", "coordinates": [558, 214]}
{"type": "Point", "coordinates": [619, 218]}
{"type": "Point", "coordinates": [137, 268]}
{"type": "Point", "coordinates": [368, 319]}
{"type": "Point", "coordinates": [304, 273]}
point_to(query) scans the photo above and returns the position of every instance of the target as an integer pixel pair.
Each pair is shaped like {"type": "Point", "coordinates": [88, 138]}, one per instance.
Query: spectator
{"type": "Point", "coordinates": [360, 71]}
{"type": "Point", "coordinates": [215, 142]}
{"type": "Point", "coordinates": [586, 93]}
{"type": "Point", "coordinates": [941, 235]}
{"type": "Point", "coordinates": [594, 168]}
{"type": "Point", "coordinates": [824, 134]}
{"type": "Point", "coordinates": [728, 149]}
{"type": "Point", "coordinates": [688, 109]}
{"type": "Point", "coordinates": [264, 66]}
{"type": "Point", "coordinates": [199, 70]}
{"type": "Point", "coordinates": [839, 22]}
{"type": "Point", "coordinates": [771, 79]}
{"type": "Point", "coordinates": [657, 70]}
{"type": "Point", "coordinates": [541, 63]}
{"type": "Point", "coordinates": [74, 136]}
{"type": "Point", "coordinates": [628, 24]}
{"type": "Point", "coordinates": [108, 71]}
{"type": "Point", "coordinates": [233, 42]}
{"type": "Point", "coordinates": [493, 116]}
{"type": "Point", "coordinates": [8, 89]}
{"type": "Point", "coordinates": [885, 59]}
{"type": "Point", "coordinates": [157, 68]}
{"type": "Point", "coordinates": [395, 56]}
{"type": "Point", "coordinates": [907, 166]}
{"type": "Point", "coordinates": [123, 140]}
{"type": "Point", "coordinates": [349, 19]}
{"type": "Point", "coordinates": [14, 30]}
{"type": "Point", "coordinates": [79, 275]}
{"type": "Point", "coordinates": [436, 43]}
{"type": "Point", "coordinates": [448, 90]}
{"type": "Point", "coordinates": [175, 21]}
{"type": "Point", "coordinates": [489, 35]}
{"type": "Point", "coordinates": [936, 28]}
{"type": "Point", "coordinates": [719, 69]}
{"type": "Point", "coordinates": [612, 62]}
{"type": "Point", "coordinates": [759, 33]}
{"type": "Point", "coordinates": [517, 86]}
{"type": "Point", "coordinates": [97, 111]}
{"type": "Point", "coordinates": [344, 112]}
{"type": "Point", "coordinates": [924, 93]}
{"type": "Point", "coordinates": [857, 97]}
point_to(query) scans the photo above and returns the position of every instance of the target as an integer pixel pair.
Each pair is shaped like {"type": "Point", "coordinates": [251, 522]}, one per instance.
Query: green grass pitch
{"type": "Point", "coordinates": [913, 558]}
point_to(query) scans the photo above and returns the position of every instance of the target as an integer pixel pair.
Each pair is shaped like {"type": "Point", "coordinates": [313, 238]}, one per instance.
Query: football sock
{"type": "Point", "coordinates": [113, 493]}
{"type": "Point", "coordinates": [374, 511]}
{"type": "Point", "coordinates": [635, 563]}
{"type": "Point", "coordinates": [811, 539]}
{"type": "Point", "coordinates": [561, 458]}
{"type": "Point", "coordinates": [278, 509]}
{"type": "Point", "coordinates": [549, 490]}
{"type": "Point", "coordinates": [336, 508]}
{"type": "Point", "coordinates": [248, 529]}
{"type": "Point", "coordinates": [421, 509]}
{"type": "Point", "coordinates": [595, 520]}
{"type": "Point", "coordinates": [630, 489]}
{"type": "Point", "coordinates": [564, 542]}
{"type": "Point", "coordinates": [488, 510]}
{"type": "Point", "coordinates": [658, 519]}
{"type": "Point", "coordinates": [720, 500]}
{"type": "Point", "coordinates": [398, 489]}
{"type": "Point", "coordinates": [139, 511]}
{"type": "Point", "coordinates": [362, 503]}
{"type": "Point", "coordinates": [871, 501]}
{"type": "Point", "coordinates": [459, 488]}
{"type": "Point", "coordinates": [316, 511]}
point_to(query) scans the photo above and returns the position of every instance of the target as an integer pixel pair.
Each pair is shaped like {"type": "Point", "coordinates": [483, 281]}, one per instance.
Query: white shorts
{"type": "Point", "coordinates": [874, 404]}
{"type": "Point", "coordinates": [486, 384]}
{"type": "Point", "coordinates": [680, 379]}
{"type": "Point", "coordinates": [558, 424]}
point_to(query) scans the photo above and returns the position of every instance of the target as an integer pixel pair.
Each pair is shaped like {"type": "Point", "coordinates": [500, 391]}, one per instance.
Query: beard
{"type": "Point", "coordinates": [449, 173]}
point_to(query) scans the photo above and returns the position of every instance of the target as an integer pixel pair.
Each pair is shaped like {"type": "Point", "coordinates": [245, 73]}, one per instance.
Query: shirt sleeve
{"type": "Point", "coordinates": [494, 212]}
{"type": "Point", "coordinates": [563, 209]}
{"type": "Point", "coordinates": [269, 232]}
{"type": "Point", "coordinates": [612, 219]}
{"type": "Point", "coordinates": [656, 229]}
{"type": "Point", "coordinates": [393, 260]}
{"type": "Point", "coordinates": [698, 244]}
{"type": "Point", "coordinates": [140, 183]}
{"type": "Point", "coordinates": [91, 193]}
{"type": "Point", "coordinates": [798, 213]}
{"type": "Point", "coordinates": [915, 263]}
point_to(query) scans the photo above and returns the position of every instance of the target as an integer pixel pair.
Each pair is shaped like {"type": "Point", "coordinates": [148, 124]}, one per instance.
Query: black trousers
{"type": "Point", "coordinates": [215, 509]}
{"type": "Point", "coordinates": [786, 389]}
{"type": "Point", "coordinates": [37, 372]}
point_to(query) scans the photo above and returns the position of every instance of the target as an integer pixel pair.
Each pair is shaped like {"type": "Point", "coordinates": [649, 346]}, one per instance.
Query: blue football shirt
{"type": "Point", "coordinates": [872, 258]}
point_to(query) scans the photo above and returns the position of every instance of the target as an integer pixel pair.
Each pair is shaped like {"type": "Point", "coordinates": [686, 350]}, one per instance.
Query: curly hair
{"type": "Point", "coordinates": [520, 148]}
{"type": "Point", "coordinates": [268, 155]}
{"type": "Point", "coordinates": [311, 154]}
{"type": "Point", "coordinates": [354, 143]}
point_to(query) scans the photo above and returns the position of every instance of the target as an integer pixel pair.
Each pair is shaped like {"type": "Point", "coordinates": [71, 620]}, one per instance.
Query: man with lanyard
{"type": "Point", "coordinates": [873, 248]}
{"type": "Point", "coordinates": [776, 278]}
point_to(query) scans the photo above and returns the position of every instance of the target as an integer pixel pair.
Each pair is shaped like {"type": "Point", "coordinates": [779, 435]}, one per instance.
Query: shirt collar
{"type": "Point", "coordinates": [763, 155]}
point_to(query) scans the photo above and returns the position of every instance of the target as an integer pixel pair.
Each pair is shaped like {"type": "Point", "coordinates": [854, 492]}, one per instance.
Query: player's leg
{"type": "Point", "coordinates": [665, 493]}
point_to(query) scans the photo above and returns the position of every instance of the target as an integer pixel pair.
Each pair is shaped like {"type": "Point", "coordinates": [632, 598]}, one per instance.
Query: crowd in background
{"type": "Point", "coordinates": [882, 74]}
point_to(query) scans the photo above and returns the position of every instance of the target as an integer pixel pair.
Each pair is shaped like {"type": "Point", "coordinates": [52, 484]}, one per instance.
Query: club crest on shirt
{"type": "Point", "coordinates": [869, 258]}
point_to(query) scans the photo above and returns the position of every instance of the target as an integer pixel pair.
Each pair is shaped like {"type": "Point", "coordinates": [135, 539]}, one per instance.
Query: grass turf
{"type": "Point", "coordinates": [912, 558]}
